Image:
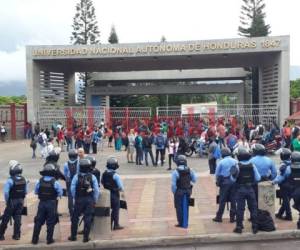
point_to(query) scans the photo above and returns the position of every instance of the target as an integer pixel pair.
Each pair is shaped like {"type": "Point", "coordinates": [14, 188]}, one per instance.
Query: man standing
{"type": "Point", "coordinates": [147, 145]}
{"type": "Point", "coordinates": [226, 185]}
{"type": "Point", "coordinates": [160, 143]}
{"type": "Point", "coordinates": [246, 176]}
{"type": "Point", "coordinates": [182, 177]}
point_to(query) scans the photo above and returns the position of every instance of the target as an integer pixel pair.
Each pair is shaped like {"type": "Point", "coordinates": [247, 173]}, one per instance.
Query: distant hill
{"type": "Point", "coordinates": [16, 88]}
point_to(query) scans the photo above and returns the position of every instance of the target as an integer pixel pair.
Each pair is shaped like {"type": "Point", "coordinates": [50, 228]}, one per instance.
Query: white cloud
{"type": "Point", "coordinates": [12, 65]}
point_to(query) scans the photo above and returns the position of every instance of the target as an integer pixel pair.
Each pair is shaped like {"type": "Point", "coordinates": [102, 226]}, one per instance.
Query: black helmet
{"type": "Point", "coordinates": [92, 159]}
{"type": "Point", "coordinates": [181, 160]}
{"type": "Point", "coordinates": [112, 163]}
{"type": "Point", "coordinates": [225, 152]}
{"type": "Point", "coordinates": [243, 154]}
{"type": "Point", "coordinates": [285, 154]}
{"type": "Point", "coordinates": [259, 149]}
{"type": "Point", "coordinates": [49, 169]}
{"type": "Point", "coordinates": [72, 154]}
{"type": "Point", "coordinates": [295, 157]}
{"type": "Point", "coordinates": [14, 168]}
{"type": "Point", "coordinates": [85, 165]}
{"type": "Point", "coordinates": [53, 156]}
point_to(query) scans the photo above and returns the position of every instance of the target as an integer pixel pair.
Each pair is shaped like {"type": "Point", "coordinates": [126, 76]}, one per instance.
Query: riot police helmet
{"type": "Point", "coordinates": [73, 155]}
{"type": "Point", "coordinates": [225, 152]}
{"type": "Point", "coordinates": [49, 169]}
{"type": "Point", "coordinates": [259, 149]}
{"type": "Point", "coordinates": [295, 157]}
{"type": "Point", "coordinates": [85, 165]}
{"type": "Point", "coordinates": [243, 154]}
{"type": "Point", "coordinates": [53, 156]}
{"type": "Point", "coordinates": [92, 159]}
{"type": "Point", "coordinates": [14, 168]}
{"type": "Point", "coordinates": [181, 160]}
{"type": "Point", "coordinates": [285, 154]}
{"type": "Point", "coordinates": [112, 163]}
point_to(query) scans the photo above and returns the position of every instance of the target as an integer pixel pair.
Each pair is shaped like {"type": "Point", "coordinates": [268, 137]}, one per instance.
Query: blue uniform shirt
{"type": "Point", "coordinates": [265, 166]}
{"type": "Point", "coordinates": [96, 191]}
{"type": "Point", "coordinates": [224, 166]}
{"type": "Point", "coordinates": [67, 173]}
{"type": "Point", "coordinates": [282, 176]}
{"type": "Point", "coordinates": [118, 180]}
{"type": "Point", "coordinates": [257, 176]}
{"type": "Point", "coordinates": [8, 185]}
{"type": "Point", "coordinates": [57, 186]}
{"type": "Point", "coordinates": [175, 177]}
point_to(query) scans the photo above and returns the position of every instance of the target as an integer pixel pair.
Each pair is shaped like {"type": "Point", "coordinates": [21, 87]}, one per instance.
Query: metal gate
{"type": "Point", "coordinates": [265, 114]}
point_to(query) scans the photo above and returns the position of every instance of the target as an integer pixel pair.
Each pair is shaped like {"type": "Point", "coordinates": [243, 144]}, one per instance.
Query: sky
{"type": "Point", "coordinates": [48, 22]}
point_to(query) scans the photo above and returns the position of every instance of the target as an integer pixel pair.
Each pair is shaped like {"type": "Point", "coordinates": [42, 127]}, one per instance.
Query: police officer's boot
{"type": "Point", "coordinates": [298, 224]}
{"type": "Point", "coordinates": [288, 217]}
{"type": "Point", "coordinates": [50, 232]}
{"type": "Point", "coordinates": [238, 230]}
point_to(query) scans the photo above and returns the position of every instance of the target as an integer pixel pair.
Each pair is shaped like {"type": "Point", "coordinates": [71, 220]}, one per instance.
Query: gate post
{"type": "Point", "coordinates": [127, 119]}
{"type": "Point", "coordinates": [13, 123]}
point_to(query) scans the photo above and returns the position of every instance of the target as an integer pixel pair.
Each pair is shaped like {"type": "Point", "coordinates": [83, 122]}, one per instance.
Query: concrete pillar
{"type": "Point", "coordinates": [107, 101]}
{"type": "Point", "coordinates": [266, 197]}
{"type": "Point", "coordinates": [102, 225]}
{"type": "Point", "coordinates": [33, 89]}
{"type": "Point", "coordinates": [284, 86]}
{"type": "Point", "coordinates": [71, 88]}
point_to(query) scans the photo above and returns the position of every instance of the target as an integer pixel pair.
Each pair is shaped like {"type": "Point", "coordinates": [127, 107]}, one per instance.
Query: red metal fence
{"type": "Point", "coordinates": [15, 118]}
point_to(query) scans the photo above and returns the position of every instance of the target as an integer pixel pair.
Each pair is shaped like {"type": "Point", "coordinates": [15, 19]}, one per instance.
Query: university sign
{"type": "Point", "coordinates": [158, 48]}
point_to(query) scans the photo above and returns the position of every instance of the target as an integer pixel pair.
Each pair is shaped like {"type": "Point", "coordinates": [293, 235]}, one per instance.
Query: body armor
{"type": "Point", "coordinates": [246, 174]}
{"type": "Point", "coordinates": [108, 181]}
{"type": "Point", "coordinates": [47, 190]}
{"type": "Point", "coordinates": [84, 185]}
{"type": "Point", "coordinates": [18, 190]}
{"type": "Point", "coordinates": [184, 180]}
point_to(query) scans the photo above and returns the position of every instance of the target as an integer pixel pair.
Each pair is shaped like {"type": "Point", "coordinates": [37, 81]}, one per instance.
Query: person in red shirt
{"type": "Point", "coordinates": [60, 138]}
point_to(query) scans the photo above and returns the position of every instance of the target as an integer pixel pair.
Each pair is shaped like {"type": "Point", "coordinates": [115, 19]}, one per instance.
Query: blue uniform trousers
{"type": "Point", "coordinates": [13, 209]}
{"type": "Point", "coordinates": [285, 206]}
{"type": "Point", "coordinates": [70, 199]}
{"type": "Point", "coordinates": [246, 193]}
{"type": "Point", "coordinates": [181, 202]}
{"type": "Point", "coordinates": [227, 193]}
{"type": "Point", "coordinates": [47, 212]}
{"type": "Point", "coordinates": [83, 206]}
{"type": "Point", "coordinates": [115, 208]}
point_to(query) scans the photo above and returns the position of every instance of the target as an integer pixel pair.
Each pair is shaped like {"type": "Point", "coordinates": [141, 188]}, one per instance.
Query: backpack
{"type": "Point", "coordinates": [40, 139]}
{"type": "Point", "coordinates": [217, 152]}
{"type": "Point", "coordinates": [265, 221]}
{"type": "Point", "coordinates": [160, 141]}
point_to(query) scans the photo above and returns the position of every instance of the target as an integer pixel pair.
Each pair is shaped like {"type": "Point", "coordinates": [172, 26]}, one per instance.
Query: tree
{"type": "Point", "coordinates": [252, 19]}
{"type": "Point", "coordinates": [163, 39]}
{"type": "Point", "coordinates": [113, 37]}
{"type": "Point", "coordinates": [295, 88]}
{"type": "Point", "coordinates": [253, 24]}
{"type": "Point", "coordinates": [85, 31]}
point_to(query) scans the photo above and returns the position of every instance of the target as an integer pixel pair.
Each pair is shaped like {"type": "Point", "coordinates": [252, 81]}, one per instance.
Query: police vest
{"type": "Point", "coordinates": [246, 174]}
{"type": "Point", "coordinates": [96, 173]}
{"type": "Point", "coordinates": [18, 190]}
{"type": "Point", "coordinates": [72, 168]}
{"type": "Point", "coordinates": [84, 185]}
{"type": "Point", "coordinates": [47, 190]}
{"type": "Point", "coordinates": [184, 180]}
{"type": "Point", "coordinates": [295, 175]}
{"type": "Point", "coordinates": [108, 181]}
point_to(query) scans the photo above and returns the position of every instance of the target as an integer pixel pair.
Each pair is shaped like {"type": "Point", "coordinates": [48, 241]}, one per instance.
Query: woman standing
{"type": "Point", "coordinates": [130, 148]}
{"type": "Point", "coordinates": [171, 151]}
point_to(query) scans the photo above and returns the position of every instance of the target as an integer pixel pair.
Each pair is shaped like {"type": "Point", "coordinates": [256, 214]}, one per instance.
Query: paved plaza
{"type": "Point", "coordinates": [150, 211]}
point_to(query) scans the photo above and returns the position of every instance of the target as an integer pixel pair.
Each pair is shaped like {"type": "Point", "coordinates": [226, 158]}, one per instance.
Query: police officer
{"type": "Point", "coordinates": [294, 180]}
{"type": "Point", "coordinates": [95, 171]}
{"type": "Point", "coordinates": [48, 190]}
{"type": "Point", "coordinates": [285, 187]}
{"type": "Point", "coordinates": [53, 157]}
{"type": "Point", "coordinates": [71, 168]}
{"type": "Point", "coordinates": [85, 191]}
{"type": "Point", "coordinates": [265, 166]}
{"type": "Point", "coordinates": [15, 190]}
{"type": "Point", "coordinates": [182, 177]}
{"type": "Point", "coordinates": [112, 181]}
{"type": "Point", "coordinates": [246, 175]}
{"type": "Point", "coordinates": [227, 187]}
